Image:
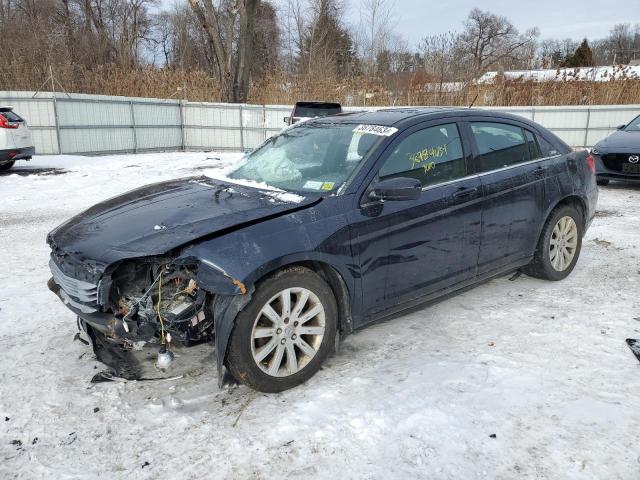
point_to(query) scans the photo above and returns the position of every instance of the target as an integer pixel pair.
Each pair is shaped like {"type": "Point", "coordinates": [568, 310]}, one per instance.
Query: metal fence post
{"type": "Point", "coordinates": [182, 132]}
{"type": "Point", "coordinates": [264, 122]}
{"type": "Point", "coordinates": [586, 129]}
{"type": "Point", "coordinates": [133, 125]}
{"type": "Point", "coordinates": [57, 122]}
{"type": "Point", "coordinates": [241, 129]}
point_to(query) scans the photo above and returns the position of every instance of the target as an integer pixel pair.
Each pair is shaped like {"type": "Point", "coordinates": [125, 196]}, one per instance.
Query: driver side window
{"type": "Point", "coordinates": [432, 155]}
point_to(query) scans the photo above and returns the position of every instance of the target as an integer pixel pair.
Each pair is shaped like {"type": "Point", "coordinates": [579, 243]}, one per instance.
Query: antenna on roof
{"type": "Point", "coordinates": [473, 101]}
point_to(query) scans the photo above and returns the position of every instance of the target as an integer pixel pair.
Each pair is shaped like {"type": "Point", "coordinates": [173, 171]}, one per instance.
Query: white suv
{"type": "Point", "coordinates": [16, 142]}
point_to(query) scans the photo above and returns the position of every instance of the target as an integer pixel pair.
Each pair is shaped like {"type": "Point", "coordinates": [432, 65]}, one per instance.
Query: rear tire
{"type": "Point", "coordinates": [559, 245]}
{"type": "Point", "coordinates": [285, 333]}
{"type": "Point", "coordinates": [6, 166]}
{"type": "Point", "coordinates": [602, 181]}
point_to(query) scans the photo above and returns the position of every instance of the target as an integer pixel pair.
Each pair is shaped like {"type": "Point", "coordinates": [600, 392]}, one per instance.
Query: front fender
{"type": "Point", "coordinates": [211, 276]}
{"type": "Point", "coordinates": [225, 309]}
{"type": "Point", "coordinates": [229, 266]}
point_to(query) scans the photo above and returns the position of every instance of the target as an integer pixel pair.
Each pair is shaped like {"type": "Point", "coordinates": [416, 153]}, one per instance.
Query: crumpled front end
{"type": "Point", "coordinates": [141, 300]}
{"type": "Point", "coordinates": [152, 302]}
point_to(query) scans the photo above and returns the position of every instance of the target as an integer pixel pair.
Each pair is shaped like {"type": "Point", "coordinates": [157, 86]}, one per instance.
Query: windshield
{"type": "Point", "coordinates": [313, 157]}
{"type": "Point", "coordinates": [634, 125]}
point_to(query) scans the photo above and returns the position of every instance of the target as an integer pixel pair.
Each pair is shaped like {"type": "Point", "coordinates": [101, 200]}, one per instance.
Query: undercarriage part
{"type": "Point", "coordinates": [121, 360]}
{"type": "Point", "coordinates": [139, 362]}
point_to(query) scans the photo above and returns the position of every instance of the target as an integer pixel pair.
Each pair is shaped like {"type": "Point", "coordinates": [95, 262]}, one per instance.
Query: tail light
{"type": "Point", "coordinates": [4, 123]}
{"type": "Point", "coordinates": [591, 163]}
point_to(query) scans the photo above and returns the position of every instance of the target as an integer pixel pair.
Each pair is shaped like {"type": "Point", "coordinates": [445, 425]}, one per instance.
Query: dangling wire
{"type": "Point", "coordinates": [158, 310]}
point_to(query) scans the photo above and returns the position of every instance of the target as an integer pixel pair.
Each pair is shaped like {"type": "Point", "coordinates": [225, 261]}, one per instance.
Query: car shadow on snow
{"type": "Point", "coordinates": [621, 185]}
{"type": "Point", "coordinates": [25, 171]}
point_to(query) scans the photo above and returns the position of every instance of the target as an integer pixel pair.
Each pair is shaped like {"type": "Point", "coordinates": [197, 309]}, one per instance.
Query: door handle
{"type": "Point", "coordinates": [465, 192]}
{"type": "Point", "coordinates": [540, 172]}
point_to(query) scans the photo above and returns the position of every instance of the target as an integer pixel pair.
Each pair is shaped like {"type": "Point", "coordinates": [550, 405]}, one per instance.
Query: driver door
{"type": "Point", "coordinates": [409, 249]}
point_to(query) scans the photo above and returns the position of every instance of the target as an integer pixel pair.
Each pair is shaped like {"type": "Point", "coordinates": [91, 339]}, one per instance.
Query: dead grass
{"type": "Point", "coordinates": [283, 88]}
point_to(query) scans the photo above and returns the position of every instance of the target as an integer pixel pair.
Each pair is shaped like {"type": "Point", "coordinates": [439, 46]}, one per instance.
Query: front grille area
{"type": "Point", "coordinates": [77, 290]}
{"type": "Point", "coordinates": [615, 161]}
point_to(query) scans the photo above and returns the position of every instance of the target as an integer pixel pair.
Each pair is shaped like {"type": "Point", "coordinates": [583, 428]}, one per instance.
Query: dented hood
{"type": "Point", "coordinates": [155, 219]}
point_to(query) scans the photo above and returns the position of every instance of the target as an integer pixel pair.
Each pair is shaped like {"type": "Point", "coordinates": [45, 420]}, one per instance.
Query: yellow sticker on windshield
{"type": "Point", "coordinates": [327, 186]}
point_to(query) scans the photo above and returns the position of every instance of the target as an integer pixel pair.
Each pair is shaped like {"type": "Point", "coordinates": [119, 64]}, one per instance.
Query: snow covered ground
{"type": "Point", "coordinates": [513, 379]}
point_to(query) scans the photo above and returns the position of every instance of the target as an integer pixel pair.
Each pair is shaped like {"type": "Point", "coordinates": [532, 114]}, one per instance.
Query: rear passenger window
{"type": "Point", "coordinates": [433, 155]}
{"type": "Point", "coordinates": [500, 145]}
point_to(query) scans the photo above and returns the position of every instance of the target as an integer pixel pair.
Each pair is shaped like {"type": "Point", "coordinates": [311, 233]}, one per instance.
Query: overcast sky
{"type": "Point", "coordinates": [555, 18]}
{"type": "Point", "coordinates": [575, 19]}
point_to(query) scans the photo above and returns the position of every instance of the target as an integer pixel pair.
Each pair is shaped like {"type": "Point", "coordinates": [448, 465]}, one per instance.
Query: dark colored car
{"type": "Point", "coordinates": [307, 110]}
{"type": "Point", "coordinates": [618, 156]}
{"type": "Point", "coordinates": [374, 213]}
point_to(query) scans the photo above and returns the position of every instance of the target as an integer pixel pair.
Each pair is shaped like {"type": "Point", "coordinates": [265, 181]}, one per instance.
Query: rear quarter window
{"type": "Point", "coordinates": [546, 148]}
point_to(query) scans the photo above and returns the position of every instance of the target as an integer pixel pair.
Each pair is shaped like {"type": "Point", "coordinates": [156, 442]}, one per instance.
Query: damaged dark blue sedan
{"type": "Point", "coordinates": [325, 228]}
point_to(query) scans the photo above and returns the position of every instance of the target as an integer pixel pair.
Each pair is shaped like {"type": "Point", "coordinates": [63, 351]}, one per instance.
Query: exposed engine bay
{"type": "Point", "coordinates": [159, 303]}
{"type": "Point", "coordinates": [157, 308]}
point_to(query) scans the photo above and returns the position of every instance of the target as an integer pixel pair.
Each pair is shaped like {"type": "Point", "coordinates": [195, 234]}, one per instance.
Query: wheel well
{"type": "Point", "coordinates": [335, 282]}
{"type": "Point", "coordinates": [576, 202]}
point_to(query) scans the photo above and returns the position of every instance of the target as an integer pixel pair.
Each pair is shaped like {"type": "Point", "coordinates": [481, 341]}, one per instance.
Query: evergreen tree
{"type": "Point", "coordinates": [582, 57]}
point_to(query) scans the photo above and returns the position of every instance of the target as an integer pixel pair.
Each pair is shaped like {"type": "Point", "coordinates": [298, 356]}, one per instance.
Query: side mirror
{"type": "Point", "coordinates": [396, 190]}
{"type": "Point", "coordinates": [287, 120]}
{"type": "Point", "coordinates": [620, 127]}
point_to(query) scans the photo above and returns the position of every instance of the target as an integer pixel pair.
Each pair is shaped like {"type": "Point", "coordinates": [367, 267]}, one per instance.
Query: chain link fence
{"type": "Point", "coordinates": [98, 124]}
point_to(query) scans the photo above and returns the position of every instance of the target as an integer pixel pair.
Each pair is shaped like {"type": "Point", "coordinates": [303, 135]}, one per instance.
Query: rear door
{"type": "Point", "coordinates": [506, 157]}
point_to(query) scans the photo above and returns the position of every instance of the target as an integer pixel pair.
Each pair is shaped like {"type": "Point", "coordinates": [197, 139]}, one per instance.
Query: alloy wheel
{"type": "Point", "coordinates": [563, 243]}
{"type": "Point", "coordinates": [287, 332]}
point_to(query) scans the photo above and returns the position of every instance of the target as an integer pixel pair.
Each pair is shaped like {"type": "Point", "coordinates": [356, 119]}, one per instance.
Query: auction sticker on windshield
{"type": "Point", "coordinates": [375, 130]}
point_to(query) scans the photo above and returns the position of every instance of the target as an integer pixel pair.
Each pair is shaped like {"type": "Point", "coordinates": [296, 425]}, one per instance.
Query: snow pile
{"type": "Point", "coordinates": [593, 74]}
{"type": "Point", "coordinates": [513, 379]}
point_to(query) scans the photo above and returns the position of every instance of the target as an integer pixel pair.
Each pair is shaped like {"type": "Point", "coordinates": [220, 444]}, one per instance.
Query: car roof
{"type": "Point", "coordinates": [389, 117]}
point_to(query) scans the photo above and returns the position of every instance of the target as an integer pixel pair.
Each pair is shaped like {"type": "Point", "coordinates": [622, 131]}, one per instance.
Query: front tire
{"type": "Point", "coordinates": [6, 166]}
{"type": "Point", "coordinates": [559, 245]}
{"type": "Point", "coordinates": [285, 333]}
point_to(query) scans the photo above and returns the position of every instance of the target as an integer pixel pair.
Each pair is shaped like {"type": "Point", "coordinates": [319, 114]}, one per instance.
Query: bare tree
{"type": "Point", "coordinates": [229, 31]}
{"type": "Point", "coordinates": [553, 52]}
{"type": "Point", "coordinates": [377, 22]}
{"type": "Point", "coordinates": [439, 55]}
{"type": "Point", "coordinates": [490, 40]}
{"type": "Point", "coordinates": [623, 43]}
{"type": "Point", "coordinates": [295, 25]}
